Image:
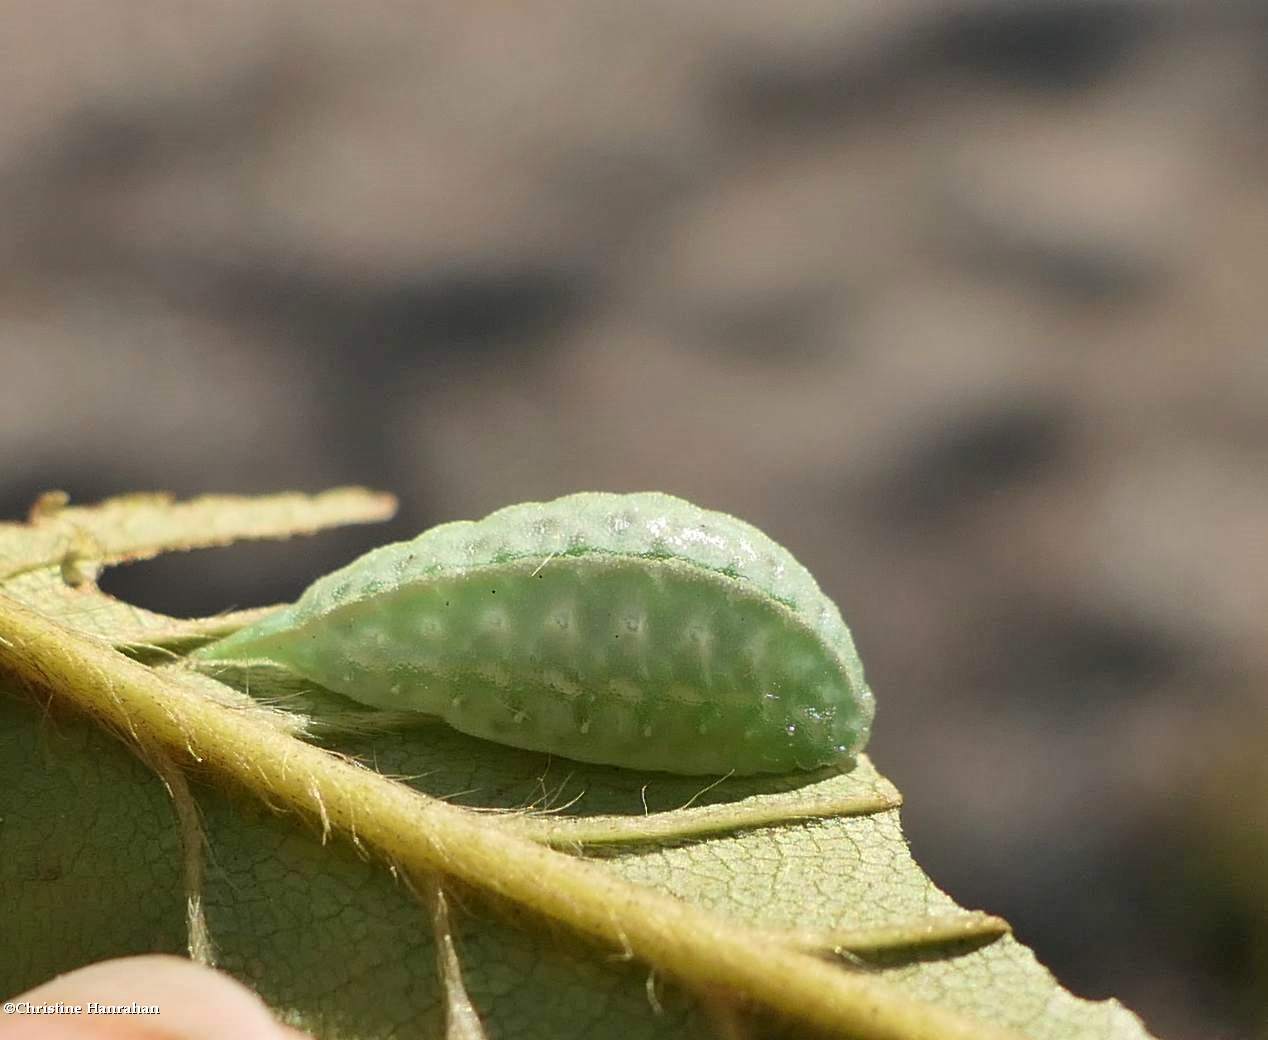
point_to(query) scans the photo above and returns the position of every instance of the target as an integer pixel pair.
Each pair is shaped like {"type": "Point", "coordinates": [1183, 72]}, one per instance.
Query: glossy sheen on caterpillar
{"type": "Point", "coordinates": [634, 630]}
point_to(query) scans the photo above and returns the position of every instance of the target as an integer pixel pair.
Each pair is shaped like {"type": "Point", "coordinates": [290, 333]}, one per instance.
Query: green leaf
{"type": "Point", "coordinates": [374, 875]}
{"type": "Point", "coordinates": [52, 561]}
{"type": "Point", "coordinates": [139, 526]}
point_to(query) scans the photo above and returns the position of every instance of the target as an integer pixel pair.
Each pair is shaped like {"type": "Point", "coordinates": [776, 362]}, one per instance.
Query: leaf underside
{"type": "Point", "coordinates": [340, 938]}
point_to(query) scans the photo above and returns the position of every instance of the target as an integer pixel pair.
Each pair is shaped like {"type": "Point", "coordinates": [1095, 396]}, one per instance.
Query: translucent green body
{"type": "Point", "coordinates": [633, 630]}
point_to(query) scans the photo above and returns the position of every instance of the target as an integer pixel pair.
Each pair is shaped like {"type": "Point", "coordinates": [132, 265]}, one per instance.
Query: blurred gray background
{"type": "Point", "coordinates": [961, 300]}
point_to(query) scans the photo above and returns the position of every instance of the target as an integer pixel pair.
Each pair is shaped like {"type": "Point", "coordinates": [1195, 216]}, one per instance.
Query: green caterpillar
{"type": "Point", "coordinates": [633, 630]}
